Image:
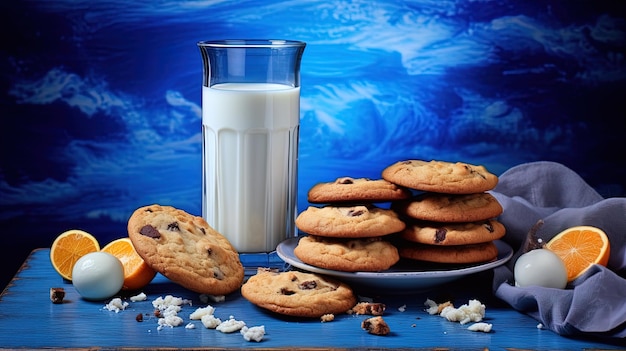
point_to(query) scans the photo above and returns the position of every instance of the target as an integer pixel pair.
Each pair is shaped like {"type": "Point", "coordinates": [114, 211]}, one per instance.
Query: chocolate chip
{"type": "Point", "coordinates": [308, 285]}
{"type": "Point", "coordinates": [150, 231]}
{"type": "Point", "coordinates": [286, 291]}
{"type": "Point", "coordinates": [203, 231]}
{"type": "Point", "coordinates": [218, 274]}
{"type": "Point", "coordinates": [489, 227]}
{"type": "Point", "coordinates": [139, 317]}
{"type": "Point", "coordinates": [356, 212]}
{"type": "Point", "coordinates": [345, 180]}
{"type": "Point", "coordinates": [173, 227]}
{"type": "Point", "coordinates": [440, 234]}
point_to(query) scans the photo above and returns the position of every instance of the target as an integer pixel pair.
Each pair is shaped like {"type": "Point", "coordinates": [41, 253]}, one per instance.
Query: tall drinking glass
{"type": "Point", "coordinates": [250, 126]}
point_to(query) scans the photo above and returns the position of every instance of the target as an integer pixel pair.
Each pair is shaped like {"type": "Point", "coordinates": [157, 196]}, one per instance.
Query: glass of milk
{"type": "Point", "coordinates": [250, 126]}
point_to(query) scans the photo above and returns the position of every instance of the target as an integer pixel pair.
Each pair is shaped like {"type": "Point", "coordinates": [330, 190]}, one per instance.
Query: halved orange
{"type": "Point", "coordinates": [68, 247]}
{"type": "Point", "coordinates": [580, 247]}
{"type": "Point", "coordinates": [137, 273]}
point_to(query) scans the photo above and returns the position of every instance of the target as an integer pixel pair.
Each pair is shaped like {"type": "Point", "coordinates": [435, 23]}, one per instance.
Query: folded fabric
{"type": "Point", "coordinates": [595, 303]}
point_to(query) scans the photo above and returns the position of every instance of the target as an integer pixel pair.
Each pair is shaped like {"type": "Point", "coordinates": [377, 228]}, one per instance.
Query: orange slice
{"type": "Point", "coordinates": [137, 273]}
{"type": "Point", "coordinates": [580, 247]}
{"type": "Point", "coordinates": [68, 247]}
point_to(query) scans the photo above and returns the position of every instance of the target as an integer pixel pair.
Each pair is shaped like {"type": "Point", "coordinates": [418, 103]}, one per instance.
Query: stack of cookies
{"type": "Point", "coordinates": [452, 217]}
{"type": "Point", "coordinates": [348, 232]}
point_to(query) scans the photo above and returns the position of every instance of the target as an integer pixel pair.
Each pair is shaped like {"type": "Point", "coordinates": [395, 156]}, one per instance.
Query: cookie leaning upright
{"type": "Point", "coordinates": [441, 176]}
{"type": "Point", "coordinates": [185, 249]}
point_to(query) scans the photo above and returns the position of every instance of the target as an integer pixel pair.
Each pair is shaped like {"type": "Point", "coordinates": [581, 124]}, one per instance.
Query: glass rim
{"type": "Point", "coordinates": [251, 43]}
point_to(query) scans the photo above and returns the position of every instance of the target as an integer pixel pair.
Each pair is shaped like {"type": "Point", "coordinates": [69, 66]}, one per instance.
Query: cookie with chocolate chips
{"type": "Point", "coordinates": [449, 207]}
{"type": "Point", "coordinates": [185, 249]}
{"type": "Point", "coordinates": [361, 221]}
{"type": "Point", "coordinates": [454, 254]}
{"type": "Point", "coordinates": [441, 176]}
{"type": "Point", "coordinates": [347, 255]}
{"type": "Point", "coordinates": [298, 294]}
{"type": "Point", "coordinates": [446, 234]}
{"type": "Point", "coordinates": [356, 190]}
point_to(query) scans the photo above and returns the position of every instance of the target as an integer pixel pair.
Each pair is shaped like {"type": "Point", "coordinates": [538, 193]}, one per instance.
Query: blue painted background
{"type": "Point", "coordinates": [101, 113]}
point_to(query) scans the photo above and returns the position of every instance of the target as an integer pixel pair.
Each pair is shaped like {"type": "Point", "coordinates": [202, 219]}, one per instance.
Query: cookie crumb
{"type": "Point", "coordinates": [376, 326]}
{"type": "Point", "coordinates": [329, 317]}
{"type": "Point", "coordinates": [372, 308]}
{"type": "Point", "coordinates": [57, 295]}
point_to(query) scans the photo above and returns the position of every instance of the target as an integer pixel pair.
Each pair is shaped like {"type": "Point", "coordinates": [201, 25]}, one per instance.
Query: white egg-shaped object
{"type": "Point", "coordinates": [98, 276]}
{"type": "Point", "coordinates": [540, 267]}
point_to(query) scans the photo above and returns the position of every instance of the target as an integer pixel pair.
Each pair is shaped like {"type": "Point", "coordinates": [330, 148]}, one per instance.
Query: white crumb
{"type": "Point", "coordinates": [253, 333]}
{"type": "Point", "coordinates": [474, 311]}
{"type": "Point", "coordinates": [210, 321]}
{"type": "Point", "coordinates": [539, 326]}
{"type": "Point", "coordinates": [201, 311]}
{"type": "Point", "coordinates": [169, 306]}
{"type": "Point", "coordinates": [402, 308]}
{"type": "Point", "coordinates": [190, 326]}
{"type": "Point", "coordinates": [139, 297]}
{"type": "Point", "coordinates": [432, 307]}
{"type": "Point", "coordinates": [162, 303]}
{"type": "Point", "coordinates": [116, 305]}
{"type": "Point", "coordinates": [169, 321]}
{"type": "Point", "coordinates": [482, 327]}
{"type": "Point", "coordinates": [231, 325]}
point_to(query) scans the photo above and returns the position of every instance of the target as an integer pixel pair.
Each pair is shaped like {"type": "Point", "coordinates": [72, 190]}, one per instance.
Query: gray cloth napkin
{"type": "Point", "coordinates": [595, 303]}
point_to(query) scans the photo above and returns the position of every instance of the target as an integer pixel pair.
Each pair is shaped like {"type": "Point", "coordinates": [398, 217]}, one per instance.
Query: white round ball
{"type": "Point", "coordinates": [98, 275]}
{"type": "Point", "coordinates": [540, 267]}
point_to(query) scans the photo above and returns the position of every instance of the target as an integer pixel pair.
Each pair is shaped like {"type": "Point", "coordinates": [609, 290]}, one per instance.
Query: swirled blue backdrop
{"type": "Point", "coordinates": [101, 106]}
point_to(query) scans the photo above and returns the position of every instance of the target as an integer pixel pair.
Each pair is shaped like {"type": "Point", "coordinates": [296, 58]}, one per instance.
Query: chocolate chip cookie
{"type": "Point", "coordinates": [359, 221]}
{"type": "Point", "coordinates": [441, 176]}
{"type": "Point", "coordinates": [347, 255]}
{"type": "Point", "coordinates": [450, 207]}
{"type": "Point", "coordinates": [347, 189]}
{"type": "Point", "coordinates": [299, 294]}
{"type": "Point", "coordinates": [457, 254]}
{"type": "Point", "coordinates": [185, 249]}
{"type": "Point", "coordinates": [444, 234]}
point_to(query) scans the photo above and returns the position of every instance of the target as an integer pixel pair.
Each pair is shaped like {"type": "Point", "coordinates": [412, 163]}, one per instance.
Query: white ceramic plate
{"type": "Point", "coordinates": [404, 277]}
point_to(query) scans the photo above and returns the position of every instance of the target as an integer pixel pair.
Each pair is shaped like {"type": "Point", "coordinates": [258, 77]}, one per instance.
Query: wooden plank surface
{"type": "Point", "coordinates": [28, 319]}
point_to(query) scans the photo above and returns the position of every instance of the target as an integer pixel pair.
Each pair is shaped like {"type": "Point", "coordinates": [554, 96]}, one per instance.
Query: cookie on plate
{"type": "Point", "coordinates": [459, 254]}
{"type": "Point", "coordinates": [347, 255]}
{"type": "Point", "coordinates": [441, 176]}
{"type": "Point", "coordinates": [444, 234]}
{"type": "Point", "coordinates": [347, 189]}
{"type": "Point", "coordinates": [359, 221]}
{"type": "Point", "coordinates": [298, 294]}
{"type": "Point", "coordinates": [185, 249]}
{"type": "Point", "coordinates": [440, 207]}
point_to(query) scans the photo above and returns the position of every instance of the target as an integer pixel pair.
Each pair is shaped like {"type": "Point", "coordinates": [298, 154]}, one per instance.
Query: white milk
{"type": "Point", "coordinates": [250, 153]}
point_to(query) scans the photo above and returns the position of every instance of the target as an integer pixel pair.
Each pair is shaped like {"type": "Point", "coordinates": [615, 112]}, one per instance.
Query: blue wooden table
{"type": "Point", "coordinates": [28, 319]}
